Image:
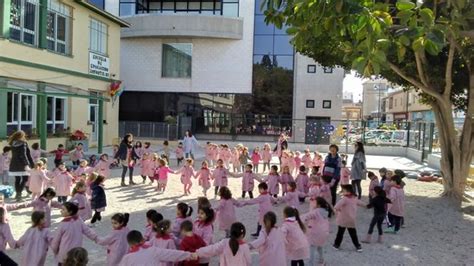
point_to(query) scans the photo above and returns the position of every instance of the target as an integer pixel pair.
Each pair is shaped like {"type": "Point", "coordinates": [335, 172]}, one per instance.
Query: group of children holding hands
{"type": "Point", "coordinates": [297, 239]}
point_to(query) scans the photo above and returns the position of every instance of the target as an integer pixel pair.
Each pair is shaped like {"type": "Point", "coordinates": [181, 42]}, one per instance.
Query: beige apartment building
{"type": "Point", "coordinates": [58, 63]}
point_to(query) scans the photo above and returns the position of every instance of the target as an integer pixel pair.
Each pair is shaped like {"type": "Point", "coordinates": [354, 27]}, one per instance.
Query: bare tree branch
{"type": "Point", "coordinates": [449, 70]}
{"type": "Point", "coordinates": [421, 69]}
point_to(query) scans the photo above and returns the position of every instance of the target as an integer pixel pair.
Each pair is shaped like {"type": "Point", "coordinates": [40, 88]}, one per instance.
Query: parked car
{"type": "Point", "coordinates": [392, 138]}
{"type": "Point", "coordinates": [369, 136]}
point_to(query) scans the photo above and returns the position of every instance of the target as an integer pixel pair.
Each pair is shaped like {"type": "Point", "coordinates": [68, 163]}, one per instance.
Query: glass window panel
{"type": "Point", "coordinates": [28, 38]}
{"type": "Point", "coordinates": [218, 6]}
{"type": "Point", "coordinates": [15, 106]}
{"type": "Point", "coordinates": [169, 6]}
{"type": "Point", "coordinates": [283, 61]}
{"type": "Point", "coordinates": [261, 27]}
{"type": "Point", "coordinates": [61, 48]}
{"type": "Point", "coordinates": [15, 13]}
{"type": "Point", "coordinates": [181, 6]}
{"type": "Point", "coordinates": [15, 34]}
{"type": "Point", "coordinates": [207, 5]}
{"type": "Point", "coordinates": [98, 3]}
{"type": "Point", "coordinates": [10, 106]}
{"type": "Point", "coordinates": [194, 5]}
{"type": "Point", "coordinates": [49, 109]}
{"type": "Point", "coordinates": [30, 16]}
{"type": "Point", "coordinates": [59, 109]}
{"type": "Point", "coordinates": [263, 45]}
{"type": "Point", "coordinates": [177, 60]}
{"type": "Point", "coordinates": [127, 9]}
{"type": "Point", "coordinates": [230, 10]}
{"type": "Point", "coordinates": [258, 4]}
{"type": "Point", "coordinates": [50, 24]}
{"type": "Point", "coordinates": [26, 107]}
{"type": "Point", "coordinates": [61, 31]}
{"type": "Point", "coordinates": [283, 46]}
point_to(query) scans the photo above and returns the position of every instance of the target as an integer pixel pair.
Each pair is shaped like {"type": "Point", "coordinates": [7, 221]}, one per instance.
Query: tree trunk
{"type": "Point", "coordinates": [455, 159]}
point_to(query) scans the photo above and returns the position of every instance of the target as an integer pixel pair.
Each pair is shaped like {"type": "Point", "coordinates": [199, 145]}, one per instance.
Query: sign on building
{"type": "Point", "coordinates": [98, 65]}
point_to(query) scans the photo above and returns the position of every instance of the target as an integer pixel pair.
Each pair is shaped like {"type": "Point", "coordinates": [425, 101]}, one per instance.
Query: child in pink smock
{"type": "Point", "coordinates": [292, 197]}
{"type": "Point", "coordinates": [83, 169]}
{"type": "Point", "coordinates": [214, 154]}
{"type": "Point", "coordinates": [209, 151]}
{"type": "Point", "coordinates": [270, 243]}
{"type": "Point", "coordinates": [63, 182]}
{"type": "Point", "coordinates": [35, 241]}
{"type": "Point", "coordinates": [116, 241]}
{"type": "Point", "coordinates": [346, 213]}
{"type": "Point", "coordinates": [255, 158]}
{"type": "Point", "coordinates": [141, 253]}
{"type": "Point", "coordinates": [5, 164]}
{"type": "Point", "coordinates": [226, 155]}
{"type": "Point", "coordinates": [345, 174]}
{"type": "Point", "coordinates": [297, 159]}
{"type": "Point", "coordinates": [226, 210]}
{"type": "Point", "coordinates": [161, 173]}
{"type": "Point", "coordinates": [235, 160]}
{"type": "Point", "coordinates": [5, 232]}
{"type": "Point", "coordinates": [179, 152]}
{"type": "Point", "coordinates": [187, 172]}
{"type": "Point", "coordinates": [374, 182]}
{"type": "Point", "coordinates": [220, 175]}
{"type": "Point", "coordinates": [318, 229]}
{"type": "Point", "coordinates": [103, 166]}
{"type": "Point", "coordinates": [183, 213]}
{"type": "Point", "coordinates": [286, 178]}
{"type": "Point", "coordinates": [318, 161]}
{"type": "Point", "coordinates": [44, 204]}
{"type": "Point", "coordinates": [266, 156]}
{"type": "Point", "coordinates": [77, 154]}
{"type": "Point", "coordinates": [314, 191]}
{"type": "Point", "coordinates": [248, 178]}
{"type": "Point", "coordinates": [302, 181]}
{"type": "Point", "coordinates": [203, 227]}
{"type": "Point", "coordinates": [231, 251]}
{"type": "Point", "coordinates": [396, 210]}
{"type": "Point", "coordinates": [70, 232]}
{"type": "Point", "coordinates": [264, 201]}
{"type": "Point", "coordinates": [273, 181]}
{"type": "Point", "coordinates": [152, 217]}
{"type": "Point", "coordinates": [38, 181]}
{"type": "Point", "coordinates": [147, 167]}
{"type": "Point", "coordinates": [36, 152]}
{"type": "Point", "coordinates": [79, 197]}
{"type": "Point", "coordinates": [293, 229]}
{"type": "Point", "coordinates": [163, 239]}
{"type": "Point", "coordinates": [204, 177]}
{"type": "Point", "coordinates": [285, 159]}
{"type": "Point", "coordinates": [291, 162]}
{"type": "Point", "coordinates": [306, 159]}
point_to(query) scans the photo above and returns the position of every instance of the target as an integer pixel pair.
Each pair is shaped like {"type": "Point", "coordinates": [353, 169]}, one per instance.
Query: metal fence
{"type": "Point", "coordinates": [153, 130]}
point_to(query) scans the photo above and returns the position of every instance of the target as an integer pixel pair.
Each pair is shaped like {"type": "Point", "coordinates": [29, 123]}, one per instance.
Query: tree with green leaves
{"type": "Point", "coordinates": [424, 45]}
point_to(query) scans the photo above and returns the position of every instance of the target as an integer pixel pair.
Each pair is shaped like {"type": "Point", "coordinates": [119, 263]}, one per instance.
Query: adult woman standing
{"type": "Point", "coordinates": [189, 144]}
{"type": "Point", "coordinates": [358, 168]}
{"type": "Point", "coordinates": [21, 161]}
{"type": "Point", "coordinates": [332, 168]}
{"type": "Point", "coordinates": [127, 156]}
{"type": "Point", "coordinates": [282, 145]}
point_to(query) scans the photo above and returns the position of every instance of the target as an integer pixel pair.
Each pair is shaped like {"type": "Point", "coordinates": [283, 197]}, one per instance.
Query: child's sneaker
{"type": "Point", "coordinates": [359, 249]}
{"type": "Point", "coordinates": [390, 231]}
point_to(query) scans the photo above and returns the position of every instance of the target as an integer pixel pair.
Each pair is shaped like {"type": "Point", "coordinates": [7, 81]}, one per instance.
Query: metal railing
{"type": "Point", "coordinates": [152, 130]}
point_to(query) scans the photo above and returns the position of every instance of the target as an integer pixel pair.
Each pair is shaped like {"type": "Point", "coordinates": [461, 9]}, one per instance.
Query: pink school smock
{"type": "Point", "coordinates": [164, 242]}
{"type": "Point", "coordinates": [186, 173]}
{"type": "Point", "coordinates": [373, 183]}
{"type": "Point", "coordinates": [6, 237]}
{"type": "Point", "coordinates": [176, 227]}
{"type": "Point", "coordinates": [35, 154]}
{"type": "Point", "coordinates": [45, 205]}
{"type": "Point", "coordinates": [297, 162]}
{"type": "Point", "coordinates": [346, 211]}
{"type": "Point", "coordinates": [103, 168]}
{"type": "Point", "coordinates": [148, 233]}
{"type": "Point", "coordinates": [325, 192]}
{"type": "Point", "coordinates": [297, 245]}
{"type": "Point", "coordinates": [85, 211]}
{"type": "Point", "coordinates": [273, 182]}
{"type": "Point", "coordinates": [302, 183]}
{"type": "Point", "coordinates": [34, 244]}
{"type": "Point", "coordinates": [226, 213]}
{"type": "Point", "coordinates": [266, 156]}
{"type": "Point", "coordinates": [317, 226]}
{"type": "Point", "coordinates": [205, 231]}
{"type": "Point", "coordinates": [285, 179]}
{"type": "Point", "coordinates": [179, 153]}
{"type": "Point", "coordinates": [148, 255]}
{"type": "Point", "coordinates": [264, 201]}
{"type": "Point", "coordinates": [291, 198]}
{"type": "Point", "coordinates": [69, 235]}
{"type": "Point", "coordinates": [81, 171]}
{"type": "Point", "coordinates": [397, 196]}
{"type": "Point", "coordinates": [147, 167]}
{"type": "Point", "coordinates": [226, 258]}
{"type": "Point", "coordinates": [235, 159]}
{"type": "Point", "coordinates": [204, 177]}
{"type": "Point", "coordinates": [63, 183]}
{"type": "Point", "coordinates": [220, 176]}
{"type": "Point", "coordinates": [248, 181]}
{"type": "Point", "coordinates": [38, 181]}
{"type": "Point", "coordinates": [271, 248]}
{"type": "Point", "coordinates": [255, 158]}
{"type": "Point", "coordinates": [345, 176]}
{"type": "Point", "coordinates": [162, 173]}
{"type": "Point", "coordinates": [307, 161]}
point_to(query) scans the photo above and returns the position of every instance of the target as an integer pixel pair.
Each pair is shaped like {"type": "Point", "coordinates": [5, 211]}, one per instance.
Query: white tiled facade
{"type": "Point", "coordinates": [218, 65]}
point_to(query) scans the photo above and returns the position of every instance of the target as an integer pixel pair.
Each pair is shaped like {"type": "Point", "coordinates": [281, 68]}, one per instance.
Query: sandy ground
{"type": "Point", "coordinates": [435, 233]}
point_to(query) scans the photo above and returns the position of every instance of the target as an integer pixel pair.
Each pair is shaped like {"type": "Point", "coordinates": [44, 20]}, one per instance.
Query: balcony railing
{"type": "Point", "coordinates": [227, 8]}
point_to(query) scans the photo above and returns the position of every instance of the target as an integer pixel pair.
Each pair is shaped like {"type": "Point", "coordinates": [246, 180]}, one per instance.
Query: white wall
{"type": "Point", "coordinates": [317, 86]}
{"type": "Point", "coordinates": [218, 65]}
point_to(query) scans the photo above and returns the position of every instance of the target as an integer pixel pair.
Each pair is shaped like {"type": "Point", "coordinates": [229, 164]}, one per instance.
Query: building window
{"type": "Point", "coordinates": [58, 28]}
{"type": "Point", "coordinates": [98, 3]}
{"type": "Point", "coordinates": [56, 114]}
{"type": "Point", "coordinates": [326, 104]}
{"type": "Point", "coordinates": [20, 112]}
{"type": "Point", "coordinates": [176, 61]}
{"type": "Point", "coordinates": [328, 70]}
{"type": "Point", "coordinates": [98, 37]}
{"type": "Point", "coordinates": [24, 21]}
{"type": "Point", "coordinates": [228, 8]}
{"type": "Point", "coordinates": [309, 103]}
{"type": "Point", "coordinates": [311, 69]}
{"type": "Point", "coordinates": [390, 103]}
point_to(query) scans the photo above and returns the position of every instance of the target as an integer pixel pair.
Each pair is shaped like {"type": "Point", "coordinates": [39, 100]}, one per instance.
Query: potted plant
{"type": "Point", "coordinates": [76, 137]}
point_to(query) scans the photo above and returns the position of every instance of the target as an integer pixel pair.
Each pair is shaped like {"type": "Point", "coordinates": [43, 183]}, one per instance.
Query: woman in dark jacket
{"type": "Point", "coordinates": [127, 156]}
{"type": "Point", "coordinates": [21, 161]}
{"type": "Point", "coordinates": [98, 198]}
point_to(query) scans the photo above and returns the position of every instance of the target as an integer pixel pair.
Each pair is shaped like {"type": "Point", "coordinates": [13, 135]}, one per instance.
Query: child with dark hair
{"type": "Point", "coordinates": [179, 153]}
{"type": "Point", "coordinates": [44, 204]}
{"type": "Point", "coordinates": [270, 242]}
{"type": "Point", "coordinates": [302, 182]}
{"type": "Point", "coordinates": [116, 241]}
{"type": "Point", "coordinates": [318, 228]}
{"type": "Point", "coordinates": [35, 241]}
{"type": "Point", "coordinates": [183, 213]}
{"type": "Point", "coordinates": [264, 201]}
{"type": "Point", "coordinates": [293, 196]}
{"type": "Point", "coordinates": [203, 225]}
{"type": "Point", "coordinates": [163, 237]}
{"type": "Point", "coordinates": [204, 177]}
{"type": "Point", "coordinates": [141, 253]}
{"type": "Point", "coordinates": [79, 197]}
{"type": "Point", "coordinates": [273, 181]}
{"type": "Point", "coordinates": [5, 232]}
{"type": "Point", "coordinates": [70, 233]}
{"type": "Point", "coordinates": [63, 182]}
{"type": "Point", "coordinates": [379, 204]}
{"type": "Point", "coordinates": [396, 210]}
{"type": "Point", "coordinates": [346, 213]}
{"type": "Point", "coordinates": [152, 217]}
{"type": "Point", "coordinates": [226, 210]}
{"type": "Point", "coordinates": [293, 229]}
{"type": "Point", "coordinates": [59, 154]}
{"type": "Point", "coordinates": [374, 182]}
{"type": "Point", "coordinates": [190, 242]}
{"type": "Point", "coordinates": [77, 257]}
{"type": "Point", "coordinates": [5, 164]}
{"type": "Point", "coordinates": [98, 199]}
{"type": "Point", "coordinates": [248, 182]}
{"type": "Point", "coordinates": [232, 250]}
